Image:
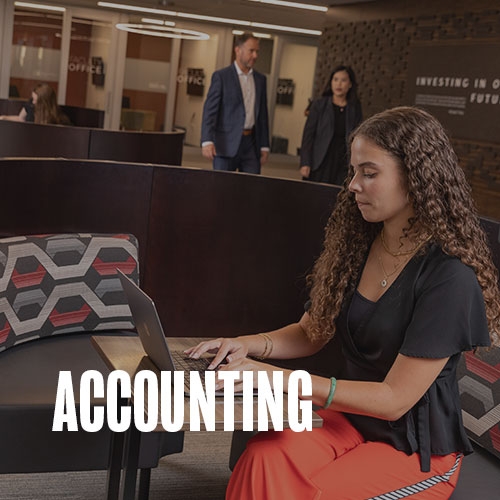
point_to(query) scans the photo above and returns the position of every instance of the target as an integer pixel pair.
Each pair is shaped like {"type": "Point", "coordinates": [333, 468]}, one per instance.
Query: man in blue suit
{"type": "Point", "coordinates": [235, 129]}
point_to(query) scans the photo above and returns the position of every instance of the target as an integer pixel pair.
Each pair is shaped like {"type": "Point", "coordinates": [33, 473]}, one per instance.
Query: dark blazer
{"type": "Point", "coordinates": [319, 129]}
{"type": "Point", "coordinates": [224, 112]}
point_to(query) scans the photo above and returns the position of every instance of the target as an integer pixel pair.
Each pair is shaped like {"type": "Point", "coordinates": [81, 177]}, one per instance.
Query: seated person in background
{"type": "Point", "coordinates": [406, 280]}
{"type": "Point", "coordinates": [41, 108]}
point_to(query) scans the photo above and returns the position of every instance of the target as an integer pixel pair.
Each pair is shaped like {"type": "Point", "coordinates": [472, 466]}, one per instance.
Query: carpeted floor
{"type": "Point", "coordinates": [200, 472]}
{"type": "Point", "coordinates": [279, 165]}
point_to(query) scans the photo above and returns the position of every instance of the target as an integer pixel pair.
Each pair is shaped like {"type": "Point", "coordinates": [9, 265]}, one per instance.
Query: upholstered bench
{"type": "Point", "coordinates": [479, 385]}
{"type": "Point", "coordinates": [56, 291]}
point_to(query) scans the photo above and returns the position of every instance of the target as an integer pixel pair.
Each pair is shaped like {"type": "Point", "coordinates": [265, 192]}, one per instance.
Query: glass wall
{"type": "Point", "coordinates": [88, 63]}
{"type": "Point", "coordinates": [145, 85]}
{"type": "Point", "coordinates": [196, 64]}
{"type": "Point", "coordinates": [297, 62]}
{"type": "Point", "coordinates": [145, 82]}
{"type": "Point", "coordinates": [36, 51]}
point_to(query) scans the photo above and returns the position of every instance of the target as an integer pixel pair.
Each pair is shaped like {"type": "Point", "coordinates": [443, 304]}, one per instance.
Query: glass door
{"type": "Point", "coordinates": [36, 51]}
{"type": "Point", "coordinates": [76, 51]}
{"type": "Point", "coordinates": [92, 61]}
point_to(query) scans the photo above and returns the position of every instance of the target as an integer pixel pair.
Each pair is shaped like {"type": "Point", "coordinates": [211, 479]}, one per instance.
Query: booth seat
{"type": "Point", "coordinates": [56, 291]}
{"type": "Point", "coordinates": [31, 140]}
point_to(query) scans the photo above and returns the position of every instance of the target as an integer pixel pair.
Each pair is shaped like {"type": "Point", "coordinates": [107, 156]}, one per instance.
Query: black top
{"type": "Point", "coordinates": [29, 107]}
{"type": "Point", "coordinates": [434, 309]}
{"type": "Point", "coordinates": [361, 307]}
{"type": "Point", "coordinates": [333, 169]}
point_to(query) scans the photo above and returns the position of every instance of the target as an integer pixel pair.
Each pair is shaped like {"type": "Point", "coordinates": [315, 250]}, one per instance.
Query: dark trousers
{"type": "Point", "coordinates": [247, 158]}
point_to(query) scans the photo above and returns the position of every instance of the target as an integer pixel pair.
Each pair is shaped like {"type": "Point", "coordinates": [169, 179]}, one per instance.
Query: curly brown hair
{"type": "Point", "coordinates": [443, 207]}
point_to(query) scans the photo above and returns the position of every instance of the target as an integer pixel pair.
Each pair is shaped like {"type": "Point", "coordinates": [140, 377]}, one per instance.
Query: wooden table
{"type": "Point", "coordinates": [127, 354]}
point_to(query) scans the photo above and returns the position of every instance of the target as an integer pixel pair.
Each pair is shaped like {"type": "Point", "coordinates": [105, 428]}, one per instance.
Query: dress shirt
{"type": "Point", "coordinates": [247, 84]}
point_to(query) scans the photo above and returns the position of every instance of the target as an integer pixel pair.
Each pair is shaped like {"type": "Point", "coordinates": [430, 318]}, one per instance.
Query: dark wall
{"type": "Point", "coordinates": [375, 38]}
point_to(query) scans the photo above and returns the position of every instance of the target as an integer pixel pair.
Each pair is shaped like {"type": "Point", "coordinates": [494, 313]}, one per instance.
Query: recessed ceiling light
{"type": "Point", "coordinates": [297, 5]}
{"type": "Point", "coordinates": [256, 35]}
{"type": "Point", "coordinates": [161, 22]}
{"type": "Point", "coordinates": [39, 6]}
{"type": "Point", "coordinates": [136, 8]}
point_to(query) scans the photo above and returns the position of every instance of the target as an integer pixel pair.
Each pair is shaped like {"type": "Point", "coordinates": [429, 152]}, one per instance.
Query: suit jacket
{"type": "Point", "coordinates": [224, 112]}
{"type": "Point", "coordinates": [319, 129]}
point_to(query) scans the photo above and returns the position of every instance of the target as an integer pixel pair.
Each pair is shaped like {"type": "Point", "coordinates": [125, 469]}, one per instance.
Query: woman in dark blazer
{"type": "Point", "coordinates": [332, 117]}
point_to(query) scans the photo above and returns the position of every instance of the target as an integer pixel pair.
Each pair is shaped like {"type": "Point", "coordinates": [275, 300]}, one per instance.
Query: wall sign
{"type": "Point", "coordinates": [460, 85]}
{"type": "Point", "coordinates": [82, 64]}
{"type": "Point", "coordinates": [195, 80]}
{"type": "Point", "coordinates": [98, 74]}
{"type": "Point", "coordinates": [285, 91]}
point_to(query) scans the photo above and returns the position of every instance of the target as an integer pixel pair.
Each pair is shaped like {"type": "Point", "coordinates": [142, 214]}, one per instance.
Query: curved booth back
{"type": "Point", "coordinates": [79, 117]}
{"type": "Point", "coordinates": [30, 140]}
{"type": "Point", "coordinates": [221, 253]}
{"type": "Point", "coordinates": [21, 139]}
{"type": "Point", "coordinates": [140, 147]}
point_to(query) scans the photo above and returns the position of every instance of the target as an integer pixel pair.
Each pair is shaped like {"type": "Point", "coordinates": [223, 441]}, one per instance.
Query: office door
{"type": "Point", "coordinates": [92, 61]}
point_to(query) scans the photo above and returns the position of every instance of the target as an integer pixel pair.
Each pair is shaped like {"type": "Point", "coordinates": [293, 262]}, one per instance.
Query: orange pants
{"type": "Point", "coordinates": [334, 462]}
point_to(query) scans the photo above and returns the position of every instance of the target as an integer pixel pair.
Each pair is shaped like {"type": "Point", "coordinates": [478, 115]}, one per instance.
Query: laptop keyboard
{"type": "Point", "coordinates": [183, 363]}
{"type": "Point", "coordinates": [186, 364]}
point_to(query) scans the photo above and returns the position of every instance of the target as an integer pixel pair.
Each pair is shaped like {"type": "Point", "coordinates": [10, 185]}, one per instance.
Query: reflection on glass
{"type": "Point", "coordinates": [147, 72]}
{"type": "Point", "coordinates": [36, 51]}
{"type": "Point", "coordinates": [88, 62]}
{"type": "Point", "coordinates": [196, 65]}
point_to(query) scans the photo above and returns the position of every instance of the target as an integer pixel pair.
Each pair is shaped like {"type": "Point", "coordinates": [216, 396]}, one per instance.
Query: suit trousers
{"type": "Point", "coordinates": [247, 158]}
{"type": "Point", "coordinates": [335, 462]}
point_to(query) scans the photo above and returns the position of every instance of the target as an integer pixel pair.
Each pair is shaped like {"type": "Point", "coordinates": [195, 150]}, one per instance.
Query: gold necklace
{"type": "Point", "coordinates": [402, 252]}
{"type": "Point", "coordinates": [385, 280]}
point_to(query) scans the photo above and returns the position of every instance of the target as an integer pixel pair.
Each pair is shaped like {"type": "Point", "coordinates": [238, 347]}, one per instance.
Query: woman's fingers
{"type": "Point", "coordinates": [221, 347]}
{"type": "Point", "coordinates": [203, 347]}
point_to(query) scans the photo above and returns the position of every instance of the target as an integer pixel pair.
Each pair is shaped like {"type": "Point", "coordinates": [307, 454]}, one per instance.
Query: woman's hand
{"type": "Point", "coordinates": [305, 171]}
{"type": "Point", "coordinates": [246, 364]}
{"type": "Point", "coordinates": [225, 349]}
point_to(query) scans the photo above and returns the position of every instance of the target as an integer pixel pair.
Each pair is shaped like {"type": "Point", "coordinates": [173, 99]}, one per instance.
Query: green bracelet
{"type": "Point", "coordinates": [333, 385]}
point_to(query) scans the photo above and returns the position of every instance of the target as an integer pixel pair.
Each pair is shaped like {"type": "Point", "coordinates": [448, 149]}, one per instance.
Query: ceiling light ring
{"type": "Point", "coordinates": [162, 31]}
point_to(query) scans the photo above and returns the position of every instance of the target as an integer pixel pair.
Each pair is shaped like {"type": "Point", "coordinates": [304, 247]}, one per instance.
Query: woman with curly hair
{"type": "Point", "coordinates": [41, 108]}
{"type": "Point", "coordinates": [407, 282]}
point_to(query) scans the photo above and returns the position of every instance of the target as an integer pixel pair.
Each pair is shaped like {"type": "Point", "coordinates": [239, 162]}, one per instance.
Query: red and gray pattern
{"type": "Point", "coordinates": [53, 284]}
{"type": "Point", "coordinates": [479, 383]}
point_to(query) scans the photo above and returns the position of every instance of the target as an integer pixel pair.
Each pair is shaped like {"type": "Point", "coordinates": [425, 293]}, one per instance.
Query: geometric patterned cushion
{"type": "Point", "coordinates": [479, 383]}
{"type": "Point", "coordinates": [62, 283]}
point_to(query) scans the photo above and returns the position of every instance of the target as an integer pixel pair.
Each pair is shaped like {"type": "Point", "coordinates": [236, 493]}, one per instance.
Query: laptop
{"type": "Point", "coordinates": [152, 337]}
